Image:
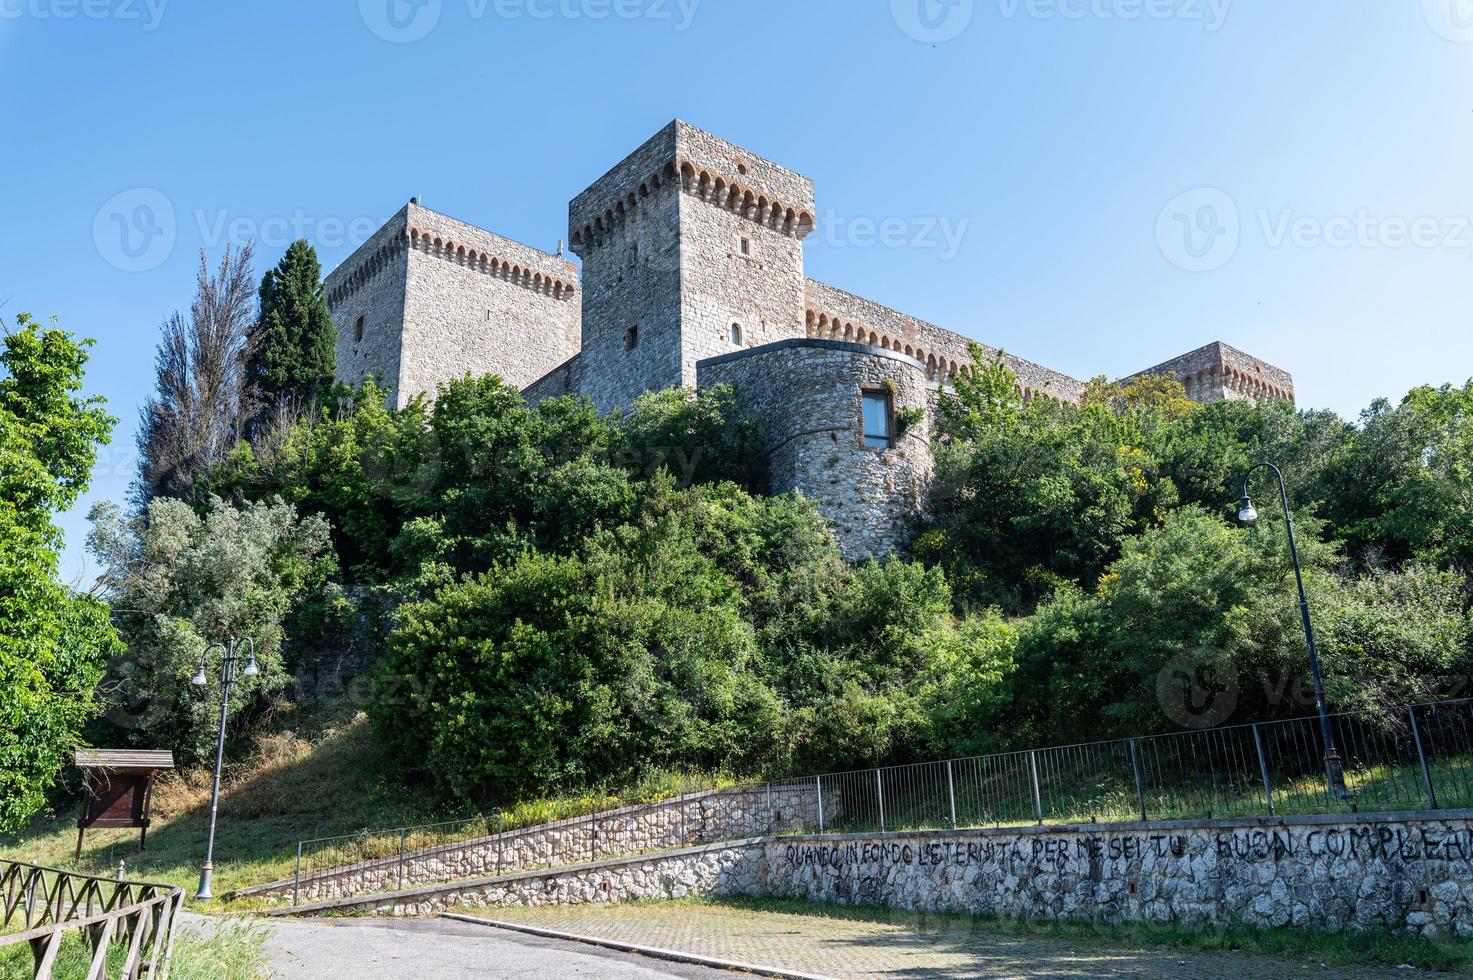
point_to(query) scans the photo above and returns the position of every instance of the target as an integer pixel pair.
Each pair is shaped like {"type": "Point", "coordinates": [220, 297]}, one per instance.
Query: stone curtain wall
{"type": "Point", "coordinates": [807, 392]}
{"type": "Point", "coordinates": [1398, 872]}
{"type": "Point", "coordinates": [834, 314]}
{"type": "Point", "coordinates": [695, 819]}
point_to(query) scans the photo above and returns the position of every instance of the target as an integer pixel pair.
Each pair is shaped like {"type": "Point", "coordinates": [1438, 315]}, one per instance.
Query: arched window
{"type": "Point", "coordinates": [736, 334]}
{"type": "Point", "coordinates": [358, 329]}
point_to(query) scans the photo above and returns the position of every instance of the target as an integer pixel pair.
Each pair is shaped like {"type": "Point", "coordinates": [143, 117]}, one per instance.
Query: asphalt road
{"type": "Point", "coordinates": [431, 949]}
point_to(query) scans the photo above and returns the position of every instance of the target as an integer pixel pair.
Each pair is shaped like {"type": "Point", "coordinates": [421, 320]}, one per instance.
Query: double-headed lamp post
{"type": "Point", "coordinates": [1334, 773]}
{"type": "Point", "coordinates": [231, 651]}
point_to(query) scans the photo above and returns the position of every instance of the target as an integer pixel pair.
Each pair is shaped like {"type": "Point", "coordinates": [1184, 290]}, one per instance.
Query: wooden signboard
{"type": "Point", "coordinates": [117, 786]}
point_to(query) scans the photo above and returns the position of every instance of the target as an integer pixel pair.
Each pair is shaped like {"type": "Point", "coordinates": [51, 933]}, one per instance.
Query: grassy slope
{"type": "Point", "coordinates": [320, 774]}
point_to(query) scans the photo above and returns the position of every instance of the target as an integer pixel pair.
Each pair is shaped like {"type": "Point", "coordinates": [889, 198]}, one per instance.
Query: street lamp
{"type": "Point", "coordinates": [231, 650]}
{"type": "Point", "coordinates": [1334, 773]}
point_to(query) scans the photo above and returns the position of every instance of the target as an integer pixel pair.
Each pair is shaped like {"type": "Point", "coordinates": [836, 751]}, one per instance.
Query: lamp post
{"type": "Point", "coordinates": [1334, 773]}
{"type": "Point", "coordinates": [231, 651]}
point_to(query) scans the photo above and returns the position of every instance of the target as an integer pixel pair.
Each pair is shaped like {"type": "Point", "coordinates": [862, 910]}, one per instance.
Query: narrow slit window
{"type": "Point", "coordinates": [631, 337]}
{"type": "Point", "coordinates": [736, 334]}
{"type": "Point", "coordinates": [746, 246]}
{"type": "Point", "coordinates": [358, 329]}
{"type": "Point", "coordinates": [879, 426]}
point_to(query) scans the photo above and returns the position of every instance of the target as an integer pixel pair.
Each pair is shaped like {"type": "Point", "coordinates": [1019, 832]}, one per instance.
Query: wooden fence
{"type": "Point", "coordinates": [42, 905]}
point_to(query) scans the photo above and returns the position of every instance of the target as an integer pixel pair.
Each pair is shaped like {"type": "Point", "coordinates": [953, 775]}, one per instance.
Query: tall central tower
{"type": "Point", "coordinates": [692, 247]}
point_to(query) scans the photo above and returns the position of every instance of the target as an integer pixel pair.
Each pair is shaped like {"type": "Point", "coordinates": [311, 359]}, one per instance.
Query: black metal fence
{"type": "Point", "coordinates": [1413, 757]}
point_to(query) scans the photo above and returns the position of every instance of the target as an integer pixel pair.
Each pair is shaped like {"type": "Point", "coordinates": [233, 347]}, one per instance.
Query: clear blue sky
{"type": "Point", "coordinates": [1036, 165]}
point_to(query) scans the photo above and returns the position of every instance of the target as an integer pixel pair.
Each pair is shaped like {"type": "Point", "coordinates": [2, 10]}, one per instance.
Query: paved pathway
{"type": "Point", "coordinates": [440, 949]}
{"type": "Point", "coordinates": [863, 949]}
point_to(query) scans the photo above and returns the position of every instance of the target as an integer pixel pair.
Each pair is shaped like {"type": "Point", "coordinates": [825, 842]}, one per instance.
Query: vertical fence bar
{"type": "Point", "coordinates": [1140, 790]}
{"type": "Point", "coordinates": [684, 830]}
{"type": "Point", "coordinates": [1422, 758]}
{"type": "Point", "coordinates": [770, 821]}
{"type": "Point", "coordinates": [818, 784]}
{"type": "Point", "coordinates": [297, 877]}
{"type": "Point", "coordinates": [1268, 793]}
{"type": "Point", "coordinates": [401, 857]}
{"type": "Point", "coordinates": [951, 793]}
{"type": "Point", "coordinates": [880, 796]}
{"type": "Point", "coordinates": [1033, 773]}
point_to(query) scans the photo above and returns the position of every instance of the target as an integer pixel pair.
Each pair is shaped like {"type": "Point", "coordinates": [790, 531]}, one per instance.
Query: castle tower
{"type": "Point", "coordinates": [692, 248]}
{"type": "Point", "coordinates": [428, 299]}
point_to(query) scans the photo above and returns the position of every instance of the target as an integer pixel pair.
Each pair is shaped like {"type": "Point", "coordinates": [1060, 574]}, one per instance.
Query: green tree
{"type": "Point", "coordinates": [179, 581]}
{"type": "Point", "coordinates": [294, 345]}
{"type": "Point", "coordinates": [53, 643]}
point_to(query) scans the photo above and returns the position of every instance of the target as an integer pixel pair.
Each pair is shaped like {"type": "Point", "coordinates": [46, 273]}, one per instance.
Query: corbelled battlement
{"type": "Point", "coordinates": [1218, 372]}
{"type": "Point", "coordinates": [718, 172]}
{"type": "Point", "coordinates": [446, 238]}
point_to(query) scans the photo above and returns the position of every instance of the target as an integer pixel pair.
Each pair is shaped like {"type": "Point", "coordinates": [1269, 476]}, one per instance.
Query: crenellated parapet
{"type": "Point", "coordinates": [833, 314]}
{"type": "Point", "coordinates": [702, 166]}
{"type": "Point", "coordinates": [1218, 372]}
{"type": "Point", "coordinates": [442, 237]}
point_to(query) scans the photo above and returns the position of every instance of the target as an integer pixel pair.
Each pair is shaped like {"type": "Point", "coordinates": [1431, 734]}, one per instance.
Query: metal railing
{"type": "Point", "coordinates": [135, 916]}
{"type": "Point", "coordinates": [1411, 757]}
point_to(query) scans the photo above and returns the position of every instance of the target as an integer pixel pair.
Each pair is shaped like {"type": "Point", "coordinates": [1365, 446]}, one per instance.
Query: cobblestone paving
{"type": "Point", "coordinates": [853, 948]}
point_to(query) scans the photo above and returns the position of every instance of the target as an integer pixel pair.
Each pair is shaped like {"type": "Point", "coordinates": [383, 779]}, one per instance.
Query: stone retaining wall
{"type": "Point", "coordinates": [694, 819]}
{"type": "Point", "coordinates": [1410, 872]}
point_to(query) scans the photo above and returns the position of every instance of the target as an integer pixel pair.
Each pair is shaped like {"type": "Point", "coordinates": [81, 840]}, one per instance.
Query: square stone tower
{"type": "Point", "coordinates": [692, 247]}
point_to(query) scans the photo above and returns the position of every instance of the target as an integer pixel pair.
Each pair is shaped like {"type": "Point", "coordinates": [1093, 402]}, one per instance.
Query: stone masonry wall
{"type": "Point", "coordinates": [807, 392]}
{"type": "Point", "coordinates": [370, 285]}
{"type": "Point", "coordinates": [694, 819]}
{"type": "Point", "coordinates": [482, 304]}
{"type": "Point", "coordinates": [1410, 873]}
{"type": "Point", "coordinates": [837, 315]}
{"type": "Point", "coordinates": [1218, 372]}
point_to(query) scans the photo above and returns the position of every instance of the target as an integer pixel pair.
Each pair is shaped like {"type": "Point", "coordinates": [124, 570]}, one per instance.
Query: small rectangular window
{"type": "Point", "coordinates": [746, 246]}
{"type": "Point", "coordinates": [879, 426]}
{"type": "Point", "coordinates": [631, 337]}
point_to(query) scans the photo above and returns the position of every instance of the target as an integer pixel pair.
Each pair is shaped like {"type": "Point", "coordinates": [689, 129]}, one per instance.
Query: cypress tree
{"type": "Point", "coordinates": [294, 352]}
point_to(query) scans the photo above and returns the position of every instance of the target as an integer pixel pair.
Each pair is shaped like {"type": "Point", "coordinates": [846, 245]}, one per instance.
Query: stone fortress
{"type": "Point", "coordinates": [692, 275]}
